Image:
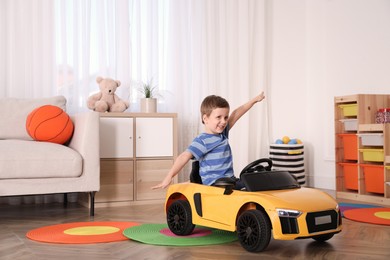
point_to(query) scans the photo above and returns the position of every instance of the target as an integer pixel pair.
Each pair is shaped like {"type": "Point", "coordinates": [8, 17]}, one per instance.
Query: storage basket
{"type": "Point", "coordinates": [349, 109]}
{"type": "Point", "coordinates": [350, 144]}
{"type": "Point", "coordinates": [289, 157]}
{"type": "Point", "coordinates": [374, 178]}
{"type": "Point", "coordinates": [374, 139]}
{"type": "Point", "coordinates": [372, 155]}
{"type": "Point", "coordinates": [350, 175]}
{"type": "Point", "coordinates": [350, 124]}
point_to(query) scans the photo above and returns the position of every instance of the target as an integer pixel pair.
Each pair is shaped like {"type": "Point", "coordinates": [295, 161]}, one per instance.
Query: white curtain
{"type": "Point", "coordinates": [92, 39]}
{"type": "Point", "coordinates": [190, 48]}
{"type": "Point", "coordinates": [121, 39]}
{"type": "Point", "coordinates": [27, 63]}
{"type": "Point", "coordinates": [218, 47]}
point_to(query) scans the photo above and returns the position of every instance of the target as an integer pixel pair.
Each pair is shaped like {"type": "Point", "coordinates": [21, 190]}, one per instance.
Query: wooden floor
{"type": "Point", "coordinates": [356, 241]}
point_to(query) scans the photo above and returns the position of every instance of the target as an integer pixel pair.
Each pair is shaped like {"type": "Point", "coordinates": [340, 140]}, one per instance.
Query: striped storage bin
{"type": "Point", "coordinates": [289, 157]}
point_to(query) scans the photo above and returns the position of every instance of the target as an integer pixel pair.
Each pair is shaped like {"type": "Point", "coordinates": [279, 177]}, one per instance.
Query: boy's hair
{"type": "Point", "coordinates": [210, 103]}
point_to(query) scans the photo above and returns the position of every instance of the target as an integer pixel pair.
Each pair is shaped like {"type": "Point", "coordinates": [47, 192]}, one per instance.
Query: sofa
{"type": "Point", "coordinates": [29, 167]}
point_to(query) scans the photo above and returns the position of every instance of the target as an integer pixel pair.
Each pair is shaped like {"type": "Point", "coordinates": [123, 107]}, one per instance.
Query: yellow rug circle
{"type": "Point", "coordinates": [382, 214]}
{"type": "Point", "coordinates": [91, 230]}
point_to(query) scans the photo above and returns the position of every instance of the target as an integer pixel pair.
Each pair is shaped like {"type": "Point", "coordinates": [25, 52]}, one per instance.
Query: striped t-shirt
{"type": "Point", "coordinates": [214, 155]}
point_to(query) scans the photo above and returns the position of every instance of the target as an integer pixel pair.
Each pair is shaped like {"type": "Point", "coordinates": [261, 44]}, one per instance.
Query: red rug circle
{"type": "Point", "coordinates": [369, 215]}
{"type": "Point", "coordinates": [108, 231]}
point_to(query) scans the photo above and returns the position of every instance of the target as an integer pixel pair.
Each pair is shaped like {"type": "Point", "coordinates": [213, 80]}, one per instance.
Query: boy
{"type": "Point", "coordinates": [212, 148]}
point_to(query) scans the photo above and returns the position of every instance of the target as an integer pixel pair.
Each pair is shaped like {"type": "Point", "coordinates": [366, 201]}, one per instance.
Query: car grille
{"type": "Point", "coordinates": [316, 222]}
{"type": "Point", "coordinates": [322, 221]}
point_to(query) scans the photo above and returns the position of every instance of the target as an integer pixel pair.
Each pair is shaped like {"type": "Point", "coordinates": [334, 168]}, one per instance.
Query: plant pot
{"type": "Point", "coordinates": [149, 105]}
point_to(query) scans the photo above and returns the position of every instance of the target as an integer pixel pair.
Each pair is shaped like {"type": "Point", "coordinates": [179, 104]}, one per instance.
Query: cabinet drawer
{"type": "Point", "coordinates": [150, 173]}
{"type": "Point", "coordinates": [116, 181]}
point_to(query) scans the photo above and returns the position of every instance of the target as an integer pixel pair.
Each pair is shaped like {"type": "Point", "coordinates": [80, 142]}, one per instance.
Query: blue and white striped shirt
{"type": "Point", "coordinates": [214, 155]}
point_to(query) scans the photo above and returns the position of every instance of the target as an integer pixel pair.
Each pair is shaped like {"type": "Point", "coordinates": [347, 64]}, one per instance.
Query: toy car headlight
{"type": "Point", "coordinates": [288, 213]}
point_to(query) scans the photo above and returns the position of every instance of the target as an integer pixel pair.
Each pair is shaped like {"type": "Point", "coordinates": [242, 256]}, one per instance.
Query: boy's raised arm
{"type": "Point", "coordinates": [241, 110]}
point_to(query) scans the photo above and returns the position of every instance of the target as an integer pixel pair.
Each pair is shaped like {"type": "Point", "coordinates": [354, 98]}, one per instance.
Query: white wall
{"type": "Point", "coordinates": [2, 46]}
{"type": "Point", "coordinates": [322, 49]}
{"type": "Point", "coordinates": [316, 49]}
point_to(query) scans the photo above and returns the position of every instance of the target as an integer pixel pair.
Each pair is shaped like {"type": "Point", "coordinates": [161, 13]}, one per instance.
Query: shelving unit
{"type": "Point", "coordinates": [362, 149]}
{"type": "Point", "coordinates": [136, 152]}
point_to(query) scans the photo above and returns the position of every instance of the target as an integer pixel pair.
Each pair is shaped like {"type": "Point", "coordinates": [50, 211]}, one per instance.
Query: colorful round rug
{"type": "Point", "coordinates": [348, 206]}
{"type": "Point", "coordinates": [81, 232]}
{"type": "Point", "coordinates": [380, 216]}
{"type": "Point", "coordinates": [159, 234]}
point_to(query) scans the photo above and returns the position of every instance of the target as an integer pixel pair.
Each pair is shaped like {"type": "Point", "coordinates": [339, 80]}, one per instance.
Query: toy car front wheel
{"type": "Point", "coordinates": [179, 218]}
{"type": "Point", "coordinates": [254, 230]}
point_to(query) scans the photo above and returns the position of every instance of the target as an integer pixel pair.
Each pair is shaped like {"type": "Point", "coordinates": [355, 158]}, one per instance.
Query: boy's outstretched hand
{"type": "Point", "coordinates": [165, 183]}
{"type": "Point", "coordinates": [178, 165]}
{"type": "Point", "coordinates": [241, 110]}
{"type": "Point", "coordinates": [260, 97]}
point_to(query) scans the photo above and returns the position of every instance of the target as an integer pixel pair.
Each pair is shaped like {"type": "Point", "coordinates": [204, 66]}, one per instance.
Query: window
{"type": "Point", "coordinates": [123, 40]}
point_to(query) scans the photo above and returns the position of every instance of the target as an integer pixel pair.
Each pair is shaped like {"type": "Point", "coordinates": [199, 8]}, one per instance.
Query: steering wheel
{"type": "Point", "coordinates": [257, 165]}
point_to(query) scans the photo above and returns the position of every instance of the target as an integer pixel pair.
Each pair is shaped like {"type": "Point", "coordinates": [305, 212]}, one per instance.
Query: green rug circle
{"type": "Point", "coordinates": [150, 234]}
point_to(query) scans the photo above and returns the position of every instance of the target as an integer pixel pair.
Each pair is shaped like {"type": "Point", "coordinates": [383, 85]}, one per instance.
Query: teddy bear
{"type": "Point", "coordinates": [106, 100]}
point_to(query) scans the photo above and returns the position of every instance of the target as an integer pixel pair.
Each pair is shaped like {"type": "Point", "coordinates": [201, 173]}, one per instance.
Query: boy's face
{"type": "Point", "coordinates": [216, 122]}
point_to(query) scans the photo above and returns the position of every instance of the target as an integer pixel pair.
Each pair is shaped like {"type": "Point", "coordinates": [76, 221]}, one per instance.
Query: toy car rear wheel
{"type": "Point", "coordinates": [179, 218]}
{"type": "Point", "coordinates": [323, 238]}
{"type": "Point", "coordinates": [254, 230]}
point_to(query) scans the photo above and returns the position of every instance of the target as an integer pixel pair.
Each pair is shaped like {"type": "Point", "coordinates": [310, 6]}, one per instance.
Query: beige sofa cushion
{"type": "Point", "coordinates": [31, 159]}
{"type": "Point", "coordinates": [14, 112]}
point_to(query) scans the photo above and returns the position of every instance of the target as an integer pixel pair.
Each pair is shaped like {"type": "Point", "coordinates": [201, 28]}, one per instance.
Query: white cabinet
{"type": "Point", "coordinates": [136, 150]}
{"type": "Point", "coordinates": [154, 137]}
{"type": "Point", "coordinates": [116, 137]}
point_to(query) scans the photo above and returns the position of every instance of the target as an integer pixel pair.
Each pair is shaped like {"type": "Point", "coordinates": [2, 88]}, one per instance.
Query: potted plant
{"type": "Point", "coordinates": [149, 100]}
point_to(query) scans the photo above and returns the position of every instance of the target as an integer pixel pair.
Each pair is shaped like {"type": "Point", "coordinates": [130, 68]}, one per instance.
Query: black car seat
{"type": "Point", "coordinates": [194, 175]}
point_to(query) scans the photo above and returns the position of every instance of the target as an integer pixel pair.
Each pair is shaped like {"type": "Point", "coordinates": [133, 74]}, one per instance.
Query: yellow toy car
{"type": "Point", "coordinates": [272, 201]}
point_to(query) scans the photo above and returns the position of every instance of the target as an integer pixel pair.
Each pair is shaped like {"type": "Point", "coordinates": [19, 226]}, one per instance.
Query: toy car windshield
{"type": "Point", "coordinates": [268, 180]}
